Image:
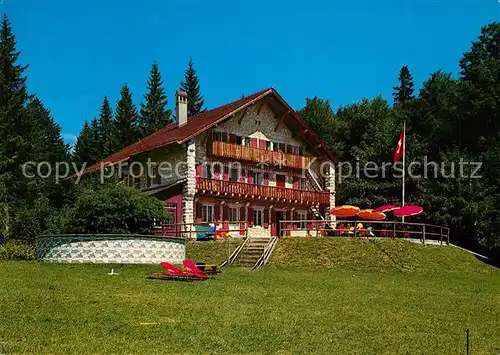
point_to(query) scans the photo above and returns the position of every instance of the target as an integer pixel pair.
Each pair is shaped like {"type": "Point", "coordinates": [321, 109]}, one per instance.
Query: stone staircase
{"type": "Point", "coordinates": [251, 253]}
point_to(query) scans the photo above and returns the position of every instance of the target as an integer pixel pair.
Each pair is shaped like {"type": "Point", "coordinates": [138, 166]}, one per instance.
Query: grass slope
{"type": "Point", "coordinates": [213, 251]}
{"type": "Point", "coordinates": [380, 255]}
{"type": "Point", "coordinates": [288, 308]}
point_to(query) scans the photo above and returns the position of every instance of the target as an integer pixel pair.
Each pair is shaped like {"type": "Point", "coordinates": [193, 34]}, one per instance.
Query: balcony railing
{"type": "Point", "coordinates": [244, 190]}
{"type": "Point", "coordinates": [270, 157]}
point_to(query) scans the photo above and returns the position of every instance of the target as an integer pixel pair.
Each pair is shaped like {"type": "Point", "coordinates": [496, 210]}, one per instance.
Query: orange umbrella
{"type": "Point", "coordinates": [345, 211]}
{"type": "Point", "coordinates": [408, 211]}
{"type": "Point", "coordinates": [377, 216]}
{"type": "Point", "coordinates": [369, 214]}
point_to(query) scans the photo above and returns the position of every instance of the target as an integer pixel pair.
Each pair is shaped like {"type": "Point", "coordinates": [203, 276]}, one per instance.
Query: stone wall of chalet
{"type": "Point", "coordinates": [259, 126]}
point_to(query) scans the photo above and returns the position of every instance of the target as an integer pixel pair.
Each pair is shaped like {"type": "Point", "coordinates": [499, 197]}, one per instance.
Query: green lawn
{"type": "Point", "coordinates": [400, 299]}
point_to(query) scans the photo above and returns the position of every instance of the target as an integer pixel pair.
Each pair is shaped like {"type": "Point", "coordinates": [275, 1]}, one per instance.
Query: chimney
{"type": "Point", "coordinates": [181, 107]}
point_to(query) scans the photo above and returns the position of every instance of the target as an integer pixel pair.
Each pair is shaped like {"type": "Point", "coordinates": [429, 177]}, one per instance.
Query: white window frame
{"type": "Point", "coordinates": [302, 183]}
{"type": "Point", "coordinates": [255, 178]}
{"type": "Point", "coordinates": [301, 216]}
{"type": "Point", "coordinates": [236, 211]}
{"type": "Point", "coordinates": [204, 212]}
{"type": "Point", "coordinates": [207, 171]}
{"type": "Point", "coordinates": [257, 212]}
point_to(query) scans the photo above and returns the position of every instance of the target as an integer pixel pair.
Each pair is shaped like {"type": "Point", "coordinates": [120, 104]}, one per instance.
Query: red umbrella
{"type": "Point", "coordinates": [386, 208]}
{"type": "Point", "coordinates": [369, 214]}
{"type": "Point", "coordinates": [408, 211]}
{"type": "Point", "coordinates": [344, 211]}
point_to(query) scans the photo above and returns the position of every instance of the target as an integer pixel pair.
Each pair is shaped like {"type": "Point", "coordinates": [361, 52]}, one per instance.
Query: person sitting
{"type": "Point", "coordinates": [350, 227]}
{"type": "Point", "coordinates": [340, 229]}
{"type": "Point", "coordinates": [359, 228]}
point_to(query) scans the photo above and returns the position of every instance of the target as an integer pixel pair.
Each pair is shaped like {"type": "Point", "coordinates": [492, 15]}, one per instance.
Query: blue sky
{"type": "Point", "coordinates": [79, 51]}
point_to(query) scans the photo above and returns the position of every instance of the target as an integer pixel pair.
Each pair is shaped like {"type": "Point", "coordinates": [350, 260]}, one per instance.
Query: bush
{"type": "Point", "coordinates": [29, 221]}
{"type": "Point", "coordinates": [15, 250]}
{"type": "Point", "coordinates": [115, 209]}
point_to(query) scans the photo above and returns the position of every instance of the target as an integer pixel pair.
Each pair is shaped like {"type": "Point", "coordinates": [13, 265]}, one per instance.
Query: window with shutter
{"type": "Point", "coordinates": [207, 213]}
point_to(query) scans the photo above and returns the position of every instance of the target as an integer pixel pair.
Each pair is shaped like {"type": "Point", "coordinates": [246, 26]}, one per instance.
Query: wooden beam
{"type": "Point", "coordinates": [281, 120]}
{"type": "Point", "coordinates": [242, 115]}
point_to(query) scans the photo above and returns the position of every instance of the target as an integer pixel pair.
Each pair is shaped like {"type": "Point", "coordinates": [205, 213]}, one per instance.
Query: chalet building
{"type": "Point", "coordinates": [252, 160]}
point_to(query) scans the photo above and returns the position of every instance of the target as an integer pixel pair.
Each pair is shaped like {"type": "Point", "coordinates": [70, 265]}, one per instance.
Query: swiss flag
{"type": "Point", "coordinates": [398, 153]}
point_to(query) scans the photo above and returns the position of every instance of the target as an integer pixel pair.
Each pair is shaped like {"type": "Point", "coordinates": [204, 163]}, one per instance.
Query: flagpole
{"type": "Point", "coordinates": [404, 166]}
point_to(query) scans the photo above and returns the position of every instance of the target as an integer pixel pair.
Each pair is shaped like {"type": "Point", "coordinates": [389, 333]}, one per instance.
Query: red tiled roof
{"type": "Point", "coordinates": [196, 124]}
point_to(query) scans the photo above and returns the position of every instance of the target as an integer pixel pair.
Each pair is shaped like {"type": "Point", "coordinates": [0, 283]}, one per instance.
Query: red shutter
{"type": "Point", "coordinates": [262, 143]}
{"type": "Point", "coordinates": [273, 223]}
{"type": "Point", "coordinates": [250, 217]}
{"type": "Point", "coordinates": [225, 213]}
{"type": "Point", "coordinates": [217, 213]}
{"type": "Point", "coordinates": [295, 183]}
{"type": "Point", "coordinates": [242, 176]}
{"type": "Point", "coordinates": [254, 142]}
{"type": "Point", "coordinates": [242, 218]}
{"type": "Point", "coordinates": [198, 212]}
{"type": "Point", "coordinates": [199, 170]}
{"type": "Point", "coordinates": [266, 179]}
{"type": "Point", "coordinates": [250, 176]}
{"type": "Point", "coordinates": [226, 173]}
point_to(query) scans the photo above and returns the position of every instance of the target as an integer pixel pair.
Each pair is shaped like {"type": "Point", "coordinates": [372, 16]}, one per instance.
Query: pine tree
{"type": "Point", "coordinates": [191, 85]}
{"type": "Point", "coordinates": [83, 147]}
{"type": "Point", "coordinates": [154, 114]}
{"type": "Point", "coordinates": [108, 140]}
{"type": "Point", "coordinates": [45, 135]}
{"type": "Point", "coordinates": [14, 146]}
{"type": "Point", "coordinates": [404, 91]}
{"type": "Point", "coordinates": [126, 120]}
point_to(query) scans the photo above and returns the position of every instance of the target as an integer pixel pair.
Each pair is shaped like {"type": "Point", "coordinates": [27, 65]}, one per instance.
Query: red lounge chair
{"type": "Point", "coordinates": [190, 265]}
{"type": "Point", "coordinates": [186, 273]}
{"type": "Point", "coordinates": [174, 273]}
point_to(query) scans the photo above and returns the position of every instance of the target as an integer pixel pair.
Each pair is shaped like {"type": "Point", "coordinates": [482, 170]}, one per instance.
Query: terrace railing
{"type": "Point", "coordinates": [270, 157]}
{"type": "Point", "coordinates": [382, 229]}
{"type": "Point", "coordinates": [241, 189]}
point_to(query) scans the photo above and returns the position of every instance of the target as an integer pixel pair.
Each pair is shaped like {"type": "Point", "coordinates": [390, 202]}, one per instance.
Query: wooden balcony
{"type": "Point", "coordinates": [260, 192]}
{"type": "Point", "coordinates": [269, 157]}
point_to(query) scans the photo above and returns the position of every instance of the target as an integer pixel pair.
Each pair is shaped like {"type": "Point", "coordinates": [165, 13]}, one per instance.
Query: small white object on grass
{"type": "Point", "coordinates": [113, 273]}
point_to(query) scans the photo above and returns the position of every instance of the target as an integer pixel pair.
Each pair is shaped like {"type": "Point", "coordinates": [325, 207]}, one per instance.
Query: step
{"type": "Point", "coordinates": [255, 248]}
{"type": "Point", "coordinates": [247, 261]}
{"type": "Point", "coordinates": [250, 255]}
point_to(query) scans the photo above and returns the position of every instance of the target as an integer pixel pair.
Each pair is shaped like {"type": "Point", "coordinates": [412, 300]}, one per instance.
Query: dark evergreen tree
{"type": "Point", "coordinates": [319, 115]}
{"type": "Point", "coordinates": [108, 139]}
{"type": "Point", "coordinates": [14, 146]}
{"type": "Point", "coordinates": [126, 120]}
{"type": "Point", "coordinates": [404, 91]}
{"type": "Point", "coordinates": [45, 134]}
{"type": "Point", "coordinates": [154, 114]}
{"type": "Point", "coordinates": [83, 148]}
{"type": "Point", "coordinates": [191, 85]}
{"type": "Point", "coordinates": [28, 134]}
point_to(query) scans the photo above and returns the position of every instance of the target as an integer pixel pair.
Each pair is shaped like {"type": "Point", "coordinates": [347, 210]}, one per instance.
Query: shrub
{"type": "Point", "coordinates": [29, 221]}
{"type": "Point", "coordinates": [15, 250]}
{"type": "Point", "coordinates": [115, 209]}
